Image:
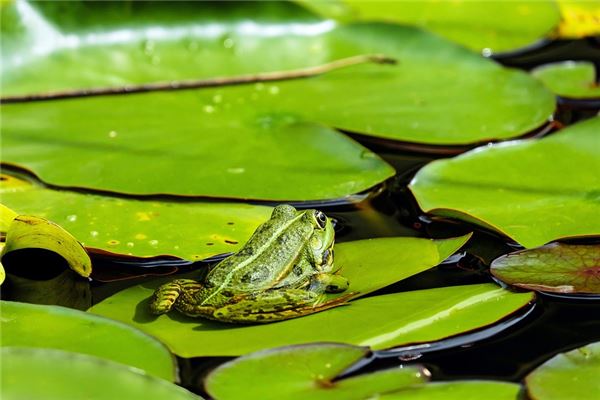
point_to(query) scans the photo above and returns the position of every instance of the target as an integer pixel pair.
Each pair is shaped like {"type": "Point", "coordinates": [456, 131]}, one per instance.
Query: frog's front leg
{"type": "Point", "coordinates": [276, 305]}
{"type": "Point", "coordinates": [330, 283]}
{"type": "Point", "coordinates": [166, 295]}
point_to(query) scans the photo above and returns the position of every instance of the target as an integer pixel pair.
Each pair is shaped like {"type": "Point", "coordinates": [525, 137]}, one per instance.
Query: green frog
{"type": "Point", "coordinates": [282, 272]}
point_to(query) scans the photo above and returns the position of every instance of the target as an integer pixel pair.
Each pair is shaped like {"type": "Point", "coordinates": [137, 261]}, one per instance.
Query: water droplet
{"type": "Point", "coordinates": [217, 98]}
{"type": "Point", "coordinates": [153, 243]}
{"type": "Point", "coordinates": [148, 47]}
{"type": "Point", "coordinates": [140, 236]}
{"type": "Point", "coordinates": [130, 244]}
{"type": "Point", "coordinates": [209, 109]}
{"type": "Point", "coordinates": [366, 154]}
{"type": "Point", "coordinates": [274, 89]}
{"type": "Point", "coordinates": [487, 52]}
{"type": "Point", "coordinates": [94, 233]}
{"type": "Point", "coordinates": [228, 43]}
{"type": "Point", "coordinates": [328, 365]}
{"type": "Point", "coordinates": [236, 170]}
{"type": "Point", "coordinates": [259, 86]}
{"type": "Point", "coordinates": [112, 134]}
{"type": "Point", "coordinates": [72, 218]}
{"type": "Point", "coordinates": [176, 247]}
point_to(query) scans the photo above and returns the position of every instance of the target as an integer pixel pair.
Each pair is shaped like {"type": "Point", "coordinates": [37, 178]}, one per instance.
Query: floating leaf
{"type": "Point", "coordinates": [305, 372]}
{"type": "Point", "coordinates": [556, 267]}
{"type": "Point", "coordinates": [141, 228]}
{"type": "Point", "coordinates": [6, 217]}
{"type": "Point", "coordinates": [29, 325]}
{"type": "Point", "coordinates": [136, 143]}
{"type": "Point", "coordinates": [579, 18]}
{"type": "Point", "coordinates": [381, 321]}
{"type": "Point", "coordinates": [492, 25]}
{"type": "Point", "coordinates": [572, 79]}
{"type": "Point", "coordinates": [529, 190]}
{"type": "Point", "coordinates": [570, 375]}
{"type": "Point", "coordinates": [54, 374]}
{"type": "Point", "coordinates": [28, 232]}
{"type": "Point", "coordinates": [458, 390]}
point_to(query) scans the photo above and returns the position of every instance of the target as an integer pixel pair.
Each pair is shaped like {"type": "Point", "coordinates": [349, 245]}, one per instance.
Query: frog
{"type": "Point", "coordinates": [284, 270]}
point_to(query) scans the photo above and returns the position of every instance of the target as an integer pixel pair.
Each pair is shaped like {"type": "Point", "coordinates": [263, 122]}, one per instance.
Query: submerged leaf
{"type": "Point", "coordinates": [141, 228]}
{"type": "Point", "coordinates": [305, 372]}
{"type": "Point", "coordinates": [571, 79]}
{"type": "Point", "coordinates": [570, 375]}
{"type": "Point", "coordinates": [56, 375]}
{"type": "Point", "coordinates": [28, 232]}
{"type": "Point", "coordinates": [556, 267]}
{"type": "Point", "coordinates": [529, 190]}
{"type": "Point", "coordinates": [29, 325]}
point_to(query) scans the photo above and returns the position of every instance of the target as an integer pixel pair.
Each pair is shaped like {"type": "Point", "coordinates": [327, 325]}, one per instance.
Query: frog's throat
{"type": "Point", "coordinates": [254, 256]}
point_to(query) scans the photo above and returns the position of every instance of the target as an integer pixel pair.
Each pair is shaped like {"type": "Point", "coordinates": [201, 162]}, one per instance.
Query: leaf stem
{"type": "Point", "coordinates": [204, 83]}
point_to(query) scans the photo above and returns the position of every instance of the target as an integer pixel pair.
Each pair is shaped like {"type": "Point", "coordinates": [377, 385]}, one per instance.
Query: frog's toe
{"type": "Point", "coordinates": [166, 295]}
{"type": "Point", "coordinates": [331, 283]}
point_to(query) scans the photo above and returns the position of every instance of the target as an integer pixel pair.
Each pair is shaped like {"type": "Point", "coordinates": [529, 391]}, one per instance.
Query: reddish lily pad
{"type": "Point", "coordinates": [555, 267]}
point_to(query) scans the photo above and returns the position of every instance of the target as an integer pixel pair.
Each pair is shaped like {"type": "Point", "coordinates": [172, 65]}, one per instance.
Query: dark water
{"type": "Point", "coordinates": [506, 351]}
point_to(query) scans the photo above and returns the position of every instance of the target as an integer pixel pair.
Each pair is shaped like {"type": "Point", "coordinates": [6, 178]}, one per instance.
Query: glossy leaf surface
{"type": "Point", "coordinates": [570, 375]}
{"type": "Point", "coordinates": [458, 390]}
{"type": "Point", "coordinates": [141, 228]}
{"type": "Point", "coordinates": [62, 375]}
{"type": "Point", "coordinates": [305, 372]}
{"type": "Point", "coordinates": [492, 25]}
{"type": "Point", "coordinates": [29, 325]}
{"type": "Point", "coordinates": [136, 143]}
{"type": "Point", "coordinates": [570, 79]}
{"type": "Point", "coordinates": [530, 190]}
{"type": "Point", "coordinates": [556, 267]}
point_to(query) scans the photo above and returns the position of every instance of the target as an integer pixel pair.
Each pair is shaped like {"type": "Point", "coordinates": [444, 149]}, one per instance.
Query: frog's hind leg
{"type": "Point", "coordinates": [277, 305]}
{"type": "Point", "coordinates": [166, 295]}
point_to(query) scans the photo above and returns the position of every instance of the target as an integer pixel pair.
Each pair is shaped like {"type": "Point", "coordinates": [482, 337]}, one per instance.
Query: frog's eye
{"type": "Point", "coordinates": [321, 219]}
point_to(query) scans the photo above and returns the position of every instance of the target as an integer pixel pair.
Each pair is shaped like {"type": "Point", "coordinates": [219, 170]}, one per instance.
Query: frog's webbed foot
{"type": "Point", "coordinates": [277, 305]}
{"type": "Point", "coordinates": [330, 283]}
{"type": "Point", "coordinates": [166, 295]}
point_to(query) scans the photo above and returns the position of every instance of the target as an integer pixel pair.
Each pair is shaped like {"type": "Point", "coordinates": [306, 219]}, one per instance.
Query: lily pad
{"type": "Point", "coordinates": [556, 267]}
{"type": "Point", "coordinates": [136, 143]}
{"type": "Point", "coordinates": [458, 390]}
{"type": "Point", "coordinates": [380, 321]}
{"type": "Point", "coordinates": [492, 25]}
{"type": "Point", "coordinates": [579, 18]}
{"type": "Point", "coordinates": [520, 185]}
{"type": "Point", "coordinates": [6, 216]}
{"type": "Point", "coordinates": [140, 228]}
{"type": "Point", "coordinates": [570, 375]}
{"type": "Point", "coordinates": [306, 371]}
{"type": "Point", "coordinates": [30, 325]}
{"type": "Point", "coordinates": [572, 79]}
{"type": "Point", "coordinates": [64, 375]}
{"type": "Point", "coordinates": [28, 232]}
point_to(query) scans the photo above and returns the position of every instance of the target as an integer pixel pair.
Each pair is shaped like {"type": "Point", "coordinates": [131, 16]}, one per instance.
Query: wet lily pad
{"type": "Point", "coordinates": [136, 143]}
{"type": "Point", "coordinates": [141, 228]}
{"type": "Point", "coordinates": [64, 375]}
{"type": "Point", "coordinates": [306, 371]}
{"type": "Point", "coordinates": [529, 190]}
{"type": "Point", "coordinates": [29, 232]}
{"type": "Point", "coordinates": [572, 79]}
{"type": "Point", "coordinates": [30, 325]}
{"type": "Point", "coordinates": [492, 25]}
{"type": "Point", "coordinates": [556, 267]}
{"type": "Point", "coordinates": [570, 375]}
{"type": "Point", "coordinates": [380, 321]}
{"type": "Point", "coordinates": [458, 390]}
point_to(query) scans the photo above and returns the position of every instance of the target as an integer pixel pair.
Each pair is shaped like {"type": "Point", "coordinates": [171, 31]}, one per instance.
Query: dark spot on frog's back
{"type": "Point", "coordinates": [297, 270]}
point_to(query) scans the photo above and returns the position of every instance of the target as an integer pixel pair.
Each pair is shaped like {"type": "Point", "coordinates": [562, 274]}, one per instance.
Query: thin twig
{"type": "Point", "coordinates": [204, 83]}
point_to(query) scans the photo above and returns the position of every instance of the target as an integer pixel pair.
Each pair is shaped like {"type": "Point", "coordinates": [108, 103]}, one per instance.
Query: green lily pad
{"type": "Point", "coordinates": [30, 325]}
{"type": "Point", "coordinates": [572, 79]}
{"type": "Point", "coordinates": [136, 143]}
{"type": "Point", "coordinates": [28, 232]}
{"type": "Point", "coordinates": [53, 374]}
{"type": "Point", "coordinates": [6, 216]}
{"type": "Point", "coordinates": [140, 228]}
{"type": "Point", "coordinates": [492, 25]}
{"type": "Point", "coordinates": [571, 375]}
{"type": "Point", "coordinates": [380, 321]}
{"type": "Point", "coordinates": [530, 190]}
{"type": "Point", "coordinates": [458, 390]}
{"type": "Point", "coordinates": [306, 371]}
{"type": "Point", "coordinates": [556, 267]}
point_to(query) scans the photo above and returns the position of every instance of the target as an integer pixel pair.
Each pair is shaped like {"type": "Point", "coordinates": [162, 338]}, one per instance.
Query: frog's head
{"type": "Point", "coordinates": [322, 239]}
